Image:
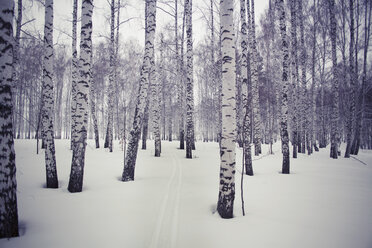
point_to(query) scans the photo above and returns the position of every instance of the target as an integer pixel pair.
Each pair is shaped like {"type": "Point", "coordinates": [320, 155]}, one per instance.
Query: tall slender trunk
{"type": "Point", "coordinates": [8, 182]}
{"type": "Point", "coordinates": [110, 121]}
{"type": "Point", "coordinates": [181, 89]}
{"type": "Point", "coordinates": [92, 94]}
{"type": "Point", "coordinates": [335, 94]}
{"type": "Point", "coordinates": [48, 99]}
{"type": "Point", "coordinates": [225, 205]}
{"type": "Point", "coordinates": [74, 75]}
{"type": "Point", "coordinates": [145, 124]}
{"type": "Point", "coordinates": [313, 93]}
{"type": "Point", "coordinates": [361, 103]}
{"type": "Point", "coordinates": [245, 107]}
{"type": "Point", "coordinates": [294, 76]}
{"type": "Point", "coordinates": [15, 74]}
{"type": "Point", "coordinates": [303, 88]}
{"type": "Point", "coordinates": [189, 82]}
{"type": "Point", "coordinates": [285, 88]}
{"type": "Point", "coordinates": [255, 88]}
{"type": "Point", "coordinates": [353, 82]}
{"type": "Point", "coordinates": [78, 155]}
{"type": "Point", "coordinates": [179, 81]}
{"type": "Point", "coordinates": [130, 159]}
{"type": "Point", "coordinates": [155, 105]}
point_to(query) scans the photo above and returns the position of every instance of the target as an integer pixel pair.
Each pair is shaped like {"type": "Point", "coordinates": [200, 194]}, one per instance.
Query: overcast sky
{"type": "Point", "coordinates": [132, 29]}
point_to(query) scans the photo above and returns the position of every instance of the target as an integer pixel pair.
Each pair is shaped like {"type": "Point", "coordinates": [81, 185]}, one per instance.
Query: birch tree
{"type": "Point", "coordinates": [16, 67]}
{"type": "Point", "coordinates": [226, 195]}
{"type": "Point", "coordinates": [74, 75]}
{"type": "Point", "coordinates": [179, 77]}
{"type": "Point", "coordinates": [352, 118]}
{"type": "Point", "coordinates": [110, 121]}
{"type": "Point", "coordinates": [189, 81]}
{"type": "Point", "coordinates": [255, 87]}
{"type": "Point", "coordinates": [285, 87]}
{"type": "Point", "coordinates": [245, 108]}
{"type": "Point", "coordinates": [335, 84]}
{"type": "Point", "coordinates": [131, 154]}
{"type": "Point", "coordinates": [93, 103]}
{"type": "Point", "coordinates": [303, 88]}
{"type": "Point", "coordinates": [48, 99]}
{"type": "Point", "coordinates": [155, 106]}
{"type": "Point", "coordinates": [361, 103]}
{"type": "Point", "coordinates": [78, 155]}
{"type": "Point", "coordinates": [294, 74]}
{"type": "Point", "coordinates": [8, 183]}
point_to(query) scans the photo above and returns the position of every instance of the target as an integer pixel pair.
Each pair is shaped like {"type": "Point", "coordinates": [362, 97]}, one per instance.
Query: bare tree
{"type": "Point", "coordinates": [189, 82]}
{"type": "Point", "coordinates": [130, 159]}
{"type": "Point", "coordinates": [8, 183]}
{"type": "Point", "coordinates": [110, 122]}
{"type": "Point", "coordinates": [335, 139]}
{"type": "Point", "coordinates": [48, 99]}
{"type": "Point", "coordinates": [74, 75]}
{"type": "Point", "coordinates": [78, 155]}
{"type": "Point", "coordinates": [225, 205]}
{"type": "Point", "coordinates": [245, 108]}
{"type": "Point", "coordinates": [285, 87]}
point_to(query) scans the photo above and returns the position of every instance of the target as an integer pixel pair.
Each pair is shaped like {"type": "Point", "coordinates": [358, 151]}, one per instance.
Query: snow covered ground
{"type": "Point", "coordinates": [171, 203]}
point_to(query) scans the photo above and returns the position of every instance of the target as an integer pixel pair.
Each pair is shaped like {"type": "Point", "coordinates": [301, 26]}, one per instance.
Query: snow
{"type": "Point", "coordinates": [322, 203]}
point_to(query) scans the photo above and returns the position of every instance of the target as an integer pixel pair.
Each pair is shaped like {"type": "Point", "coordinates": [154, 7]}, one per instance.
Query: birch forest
{"type": "Point", "coordinates": [146, 123]}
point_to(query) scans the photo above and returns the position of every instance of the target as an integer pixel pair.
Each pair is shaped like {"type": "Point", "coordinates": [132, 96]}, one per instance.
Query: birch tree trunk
{"type": "Point", "coordinates": [92, 102]}
{"type": "Point", "coordinates": [294, 76]}
{"type": "Point", "coordinates": [16, 69]}
{"type": "Point", "coordinates": [110, 121]}
{"type": "Point", "coordinates": [361, 102]}
{"type": "Point", "coordinates": [285, 88]}
{"type": "Point", "coordinates": [225, 205]}
{"type": "Point", "coordinates": [255, 89]}
{"type": "Point", "coordinates": [189, 82]}
{"type": "Point", "coordinates": [118, 119]}
{"type": "Point", "coordinates": [335, 94]}
{"type": "Point", "coordinates": [245, 108]}
{"type": "Point", "coordinates": [145, 122]}
{"type": "Point", "coordinates": [313, 94]}
{"type": "Point", "coordinates": [353, 82]}
{"type": "Point", "coordinates": [303, 87]}
{"type": "Point", "coordinates": [78, 155]}
{"type": "Point", "coordinates": [130, 159]}
{"type": "Point", "coordinates": [48, 99]}
{"type": "Point", "coordinates": [155, 106]}
{"type": "Point", "coordinates": [8, 183]}
{"type": "Point", "coordinates": [180, 88]}
{"type": "Point", "coordinates": [74, 75]}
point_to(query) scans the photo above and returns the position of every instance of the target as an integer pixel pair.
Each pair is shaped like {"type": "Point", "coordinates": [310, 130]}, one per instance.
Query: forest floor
{"type": "Point", "coordinates": [322, 203]}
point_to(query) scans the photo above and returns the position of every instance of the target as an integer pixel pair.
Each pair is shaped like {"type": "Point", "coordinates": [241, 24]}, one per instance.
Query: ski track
{"type": "Point", "coordinates": [166, 228]}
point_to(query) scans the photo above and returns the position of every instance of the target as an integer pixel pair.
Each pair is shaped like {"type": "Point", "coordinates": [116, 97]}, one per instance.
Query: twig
{"type": "Point", "coordinates": [358, 160]}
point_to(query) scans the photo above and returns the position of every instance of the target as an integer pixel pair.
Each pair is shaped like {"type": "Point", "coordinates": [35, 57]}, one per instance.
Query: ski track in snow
{"type": "Point", "coordinates": [165, 233]}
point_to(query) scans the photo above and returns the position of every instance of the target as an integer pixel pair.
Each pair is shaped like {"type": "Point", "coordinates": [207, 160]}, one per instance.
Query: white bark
{"type": "Point", "coordinates": [8, 183]}
{"type": "Point", "coordinates": [155, 89]}
{"type": "Point", "coordinates": [285, 88]}
{"type": "Point", "coordinates": [226, 196]}
{"type": "Point", "coordinates": [110, 105]}
{"type": "Point", "coordinates": [335, 94]}
{"type": "Point", "coordinates": [78, 156]}
{"type": "Point", "coordinates": [246, 121]}
{"type": "Point", "coordinates": [255, 88]}
{"type": "Point", "coordinates": [130, 159]}
{"type": "Point", "coordinates": [48, 98]}
{"type": "Point", "coordinates": [189, 82]}
{"type": "Point", "coordinates": [74, 75]}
